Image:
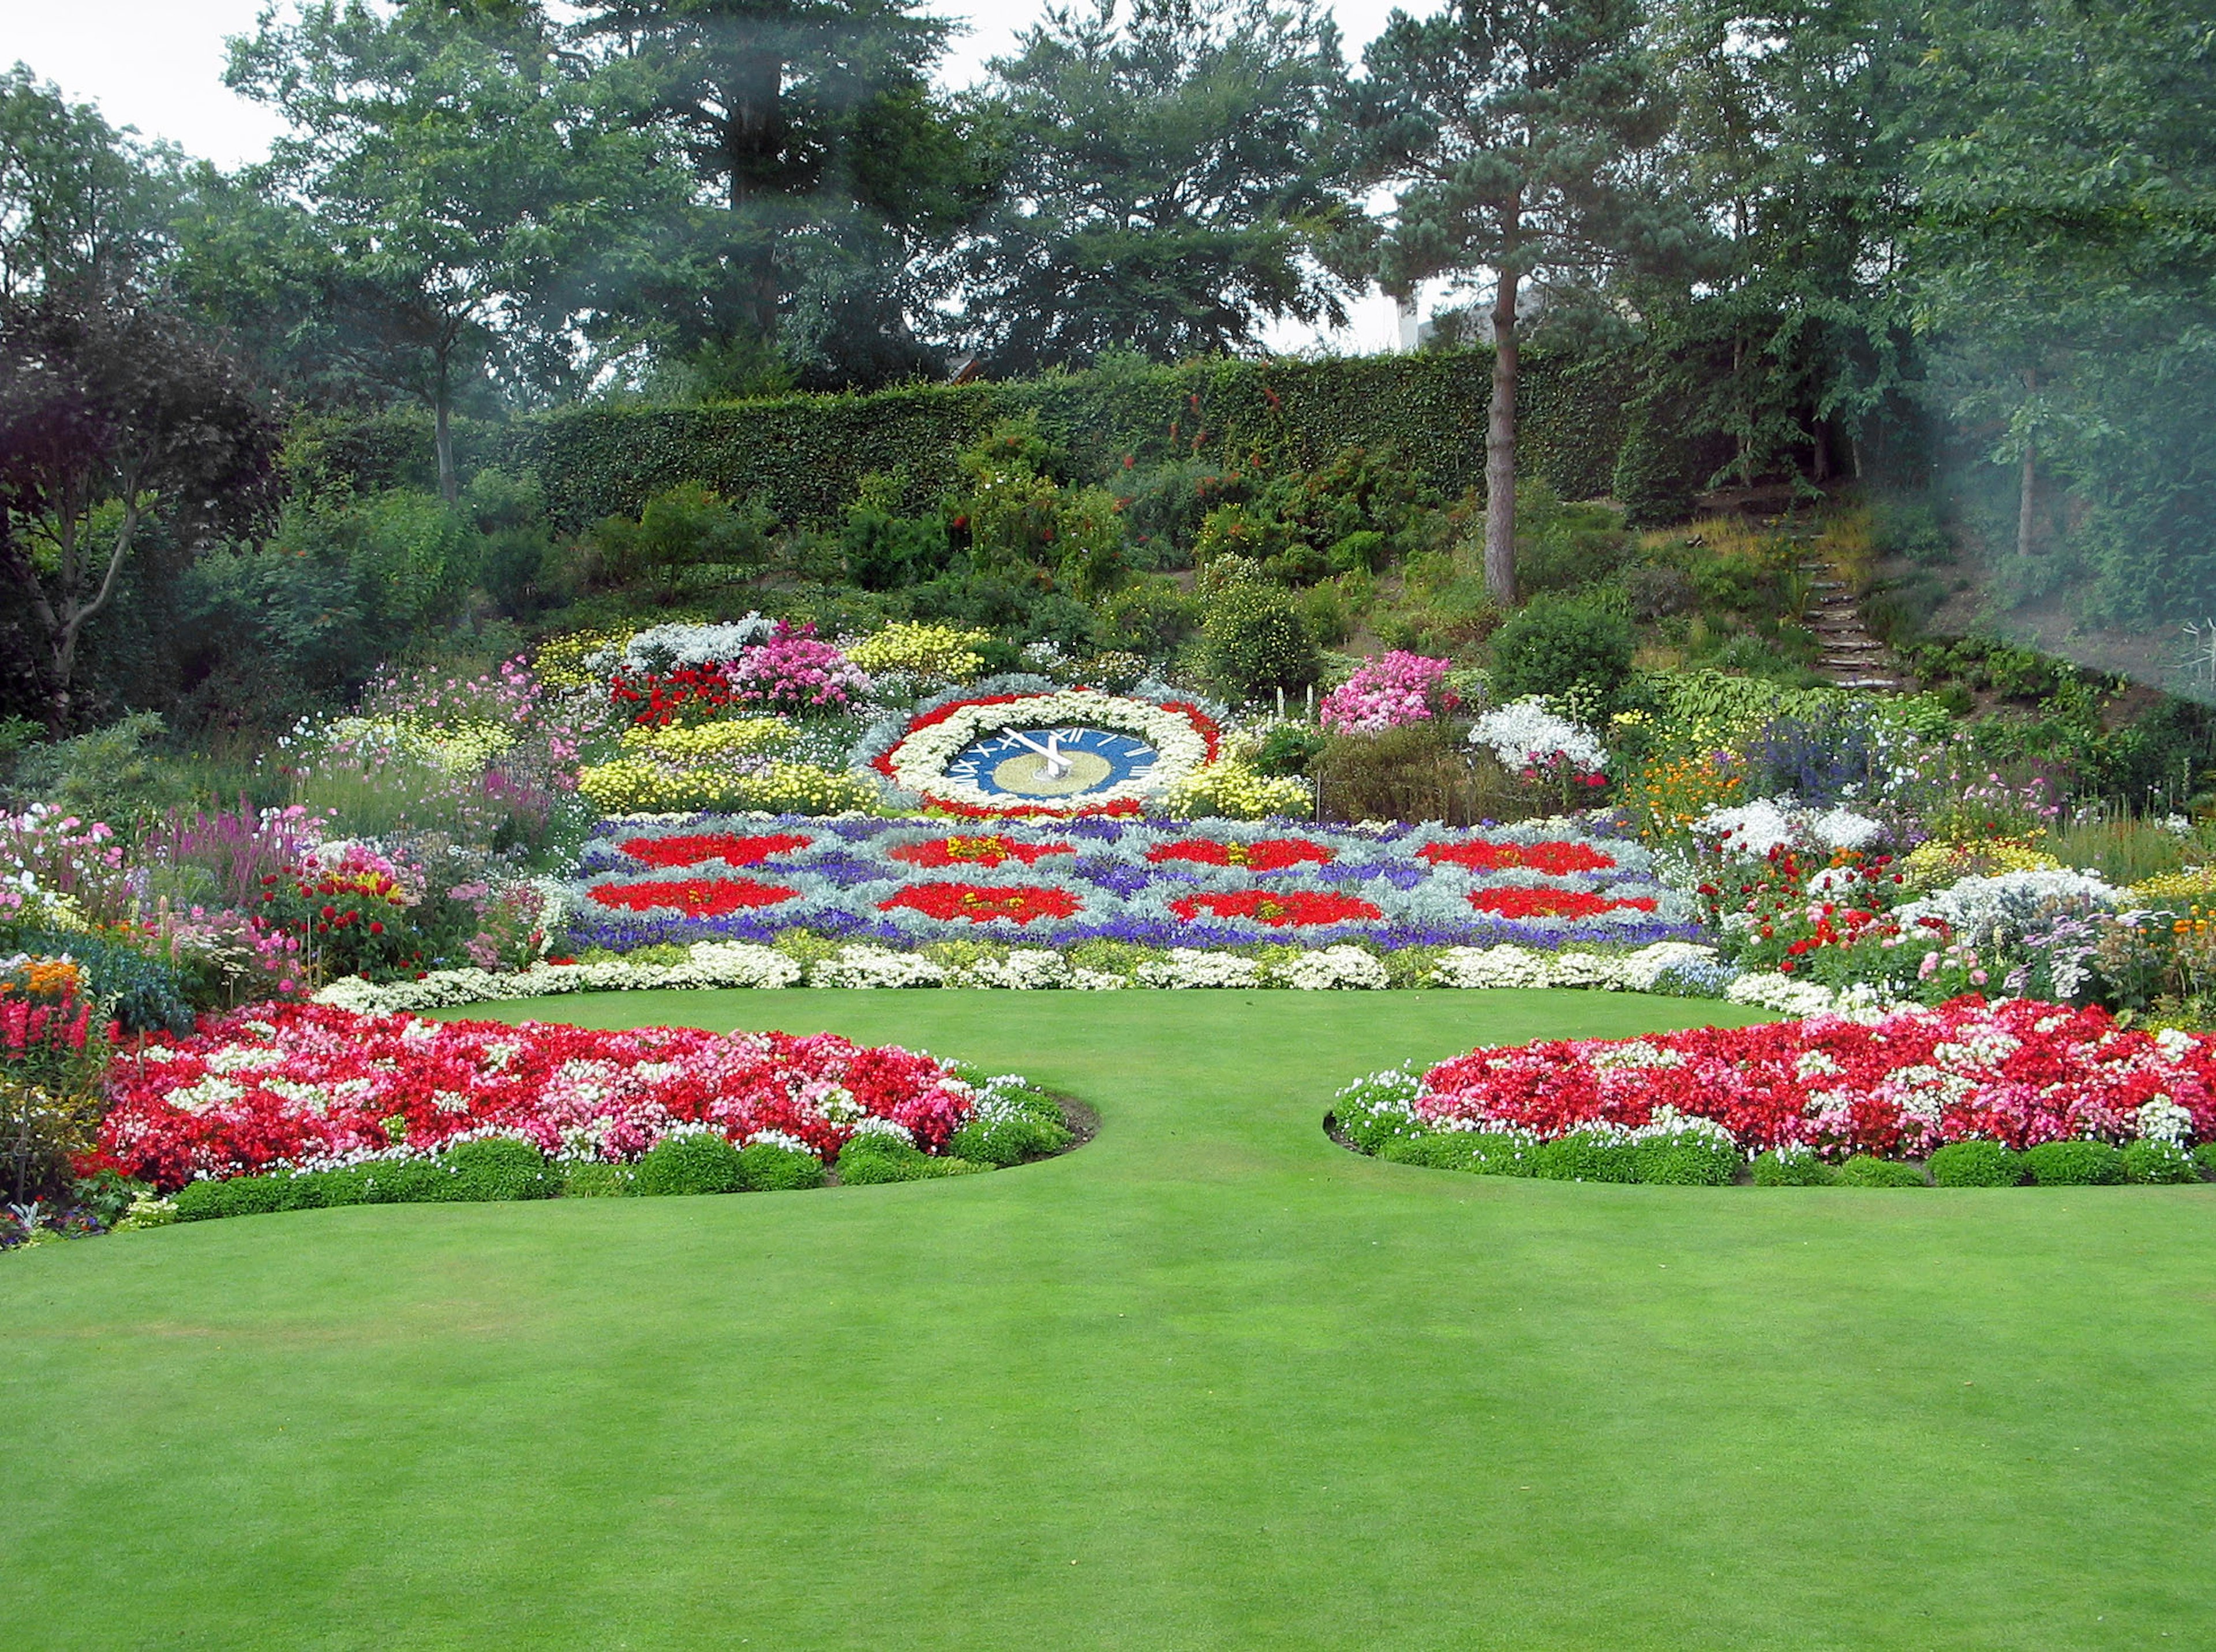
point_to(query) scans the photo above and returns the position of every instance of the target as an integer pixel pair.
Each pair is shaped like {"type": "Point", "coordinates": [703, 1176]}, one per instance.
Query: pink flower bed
{"type": "Point", "coordinates": [2020, 1072]}
{"type": "Point", "coordinates": [1386, 692]}
{"type": "Point", "coordinates": [308, 1086]}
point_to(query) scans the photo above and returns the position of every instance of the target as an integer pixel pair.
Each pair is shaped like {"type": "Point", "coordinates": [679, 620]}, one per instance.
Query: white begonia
{"type": "Point", "coordinates": [1527, 734]}
{"type": "Point", "coordinates": [865, 966]}
{"type": "Point", "coordinates": [1332, 969]}
{"type": "Point", "coordinates": [1508, 965]}
{"type": "Point", "coordinates": [2174, 1042]}
{"type": "Point", "coordinates": [1189, 968]}
{"type": "Point", "coordinates": [2163, 1120]}
{"type": "Point", "coordinates": [790, 1143]}
{"type": "Point", "coordinates": [1025, 969]}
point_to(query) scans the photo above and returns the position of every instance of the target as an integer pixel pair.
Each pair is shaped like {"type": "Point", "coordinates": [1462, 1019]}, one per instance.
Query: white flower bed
{"type": "Point", "coordinates": [1190, 966]}
{"type": "Point", "coordinates": [1334, 969]}
{"type": "Point", "coordinates": [1614, 972]}
{"type": "Point", "coordinates": [1984, 910]}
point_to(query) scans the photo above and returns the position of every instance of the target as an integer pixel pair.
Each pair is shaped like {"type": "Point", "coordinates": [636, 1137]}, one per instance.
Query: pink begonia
{"type": "Point", "coordinates": [1385, 693]}
{"type": "Point", "coordinates": [792, 672]}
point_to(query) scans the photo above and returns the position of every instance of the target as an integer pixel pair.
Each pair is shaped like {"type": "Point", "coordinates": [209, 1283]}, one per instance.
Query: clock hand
{"type": "Point", "coordinates": [1057, 766]}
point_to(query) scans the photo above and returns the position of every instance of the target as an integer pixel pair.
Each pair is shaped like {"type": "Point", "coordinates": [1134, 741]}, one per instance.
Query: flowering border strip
{"type": "Point", "coordinates": [1152, 882]}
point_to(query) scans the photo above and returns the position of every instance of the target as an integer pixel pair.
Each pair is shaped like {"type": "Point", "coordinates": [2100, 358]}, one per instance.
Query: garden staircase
{"type": "Point", "coordinates": [1851, 657]}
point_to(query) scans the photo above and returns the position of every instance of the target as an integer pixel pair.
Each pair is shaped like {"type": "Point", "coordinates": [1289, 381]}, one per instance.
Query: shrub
{"type": "Point", "coordinates": [1009, 1139]}
{"type": "Point", "coordinates": [1792, 1168]}
{"type": "Point", "coordinates": [242, 1195]}
{"type": "Point", "coordinates": [1976, 1165]}
{"type": "Point", "coordinates": [2074, 1163]}
{"type": "Point", "coordinates": [1657, 471]}
{"type": "Point", "coordinates": [1148, 618]}
{"type": "Point", "coordinates": [2203, 1156]}
{"type": "Point", "coordinates": [879, 1157]}
{"type": "Point", "coordinates": [494, 1169]}
{"type": "Point", "coordinates": [769, 1168]}
{"type": "Point", "coordinates": [691, 1162]}
{"type": "Point", "coordinates": [1554, 646]}
{"type": "Point", "coordinates": [2152, 1159]}
{"type": "Point", "coordinates": [1258, 639]}
{"type": "Point", "coordinates": [594, 1178]}
{"type": "Point", "coordinates": [401, 1182]}
{"type": "Point", "coordinates": [1482, 1152]}
{"type": "Point", "coordinates": [1414, 772]}
{"type": "Point", "coordinates": [1586, 1156]}
{"type": "Point", "coordinates": [1689, 1160]}
{"type": "Point", "coordinates": [1864, 1171]}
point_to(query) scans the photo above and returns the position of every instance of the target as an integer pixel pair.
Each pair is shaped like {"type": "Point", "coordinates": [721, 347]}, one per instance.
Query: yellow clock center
{"type": "Point", "coordinates": [1026, 774]}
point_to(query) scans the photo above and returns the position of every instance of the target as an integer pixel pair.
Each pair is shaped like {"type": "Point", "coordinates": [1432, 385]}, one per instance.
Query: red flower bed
{"type": "Point", "coordinates": [695, 897]}
{"type": "Point", "coordinates": [655, 700]}
{"type": "Point", "coordinates": [948, 901]}
{"type": "Point", "coordinates": [2019, 1071]}
{"type": "Point", "coordinates": [1269, 855]}
{"type": "Point", "coordinates": [975, 851]}
{"type": "Point", "coordinates": [1280, 909]}
{"type": "Point", "coordinates": [308, 1086]}
{"type": "Point", "coordinates": [1513, 900]}
{"type": "Point", "coordinates": [1555, 859]}
{"type": "Point", "coordinates": [726, 846]}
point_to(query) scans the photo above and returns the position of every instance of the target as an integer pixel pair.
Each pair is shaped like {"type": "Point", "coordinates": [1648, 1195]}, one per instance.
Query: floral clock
{"type": "Point", "coordinates": [1076, 751]}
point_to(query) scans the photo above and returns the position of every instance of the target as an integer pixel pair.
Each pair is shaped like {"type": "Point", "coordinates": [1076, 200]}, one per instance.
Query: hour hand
{"type": "Point", "coordinates": [1057, 766]}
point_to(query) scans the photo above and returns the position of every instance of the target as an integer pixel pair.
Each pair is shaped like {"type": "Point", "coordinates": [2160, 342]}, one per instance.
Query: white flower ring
{"type": "Point", "coordinates": [1184, 738]}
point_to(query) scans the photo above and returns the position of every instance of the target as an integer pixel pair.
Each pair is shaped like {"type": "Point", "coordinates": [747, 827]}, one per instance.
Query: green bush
{"type": "Point", "coordinates": [691, 1162]}
{"type": "Point", "coordinates": [1792, 1168]}
{"type": "Point", "coordinates": [1256, 638]}
{"type": "Point", "coordinates": [769, 1168]}
{"type": "Point", "coordinates": [2074, 1163]}
{"type": "Point", "coordinates": [400, 1181]}
{"type": "Point", "coordinates": [2203, 1156]}
{"type": "Point", "coordinates": [1586, 1156]}
{"type": "Point", "coordinates": [1688, 1161]}
{"type": "Point", "coordinates": [2152, 1159]}
{"type": "Point", "coordinates": [1008, 1140]}
{"type": "Point", "coordinates": [1555, 645]}
{"type": "Point", "coordinates": [242, 1195]}
{"type": "Point", "coordinates": [1976, 1165]}
{"type": "Point", "coordinates": [1148, 618]}
{"type": "Point", "coordinates": [879, 1157]}
{"type": "Point", "coordinates": [494, 1169]}
{"type": "Point", "coordinates": [594, 1178]}
{"type": "Point", "coordinates": [1863, 1170]}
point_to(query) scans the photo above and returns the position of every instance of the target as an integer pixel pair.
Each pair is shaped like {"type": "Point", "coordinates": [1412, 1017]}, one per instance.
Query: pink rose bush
{"type": "Point", "coordinates": [2019, 1072]}
{"type": "Point", "coordinates": [311, 1087]}
{"type": "Point", "coordinates": [1387, 692]}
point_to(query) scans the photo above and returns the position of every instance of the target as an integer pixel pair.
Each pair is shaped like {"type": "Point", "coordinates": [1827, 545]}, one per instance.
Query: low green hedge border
{"type": "Point", "coordinates": [1694, 1162]}
{"type": "Point", "coordinates": [689, 1162]}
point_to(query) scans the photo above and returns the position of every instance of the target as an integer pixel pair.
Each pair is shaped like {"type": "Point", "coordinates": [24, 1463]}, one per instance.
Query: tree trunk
{"type": "Point", "coordinates": [2026, 487]}
{"type": "Point", "coordinates": [1500, 447]}
{"type": "Point", "coordinates": [442, 396]}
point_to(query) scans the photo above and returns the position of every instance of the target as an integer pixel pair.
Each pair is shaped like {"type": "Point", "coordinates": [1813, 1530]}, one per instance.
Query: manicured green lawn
{"type": "Point", "coordinates": [1210, 1382]}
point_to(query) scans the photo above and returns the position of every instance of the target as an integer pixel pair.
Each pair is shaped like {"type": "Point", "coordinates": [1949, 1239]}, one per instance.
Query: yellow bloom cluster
{"type": "Point", "coordinates": [939, 653]}
{"type": "Point", "coordinates": [639, 786]}
{"type": "Point", "coordinates": [1934, 865]}
{"type": "Point", "coordinates": [1235, 792]}
{"type": "Point", "coordinates": [2193, 884]}
{"type": "Point", "coordinates": [1669, 793]}
{"type": "Point", "coordinates": [561, 660]}
{"type": "Point", "coordinates": [736, 737]}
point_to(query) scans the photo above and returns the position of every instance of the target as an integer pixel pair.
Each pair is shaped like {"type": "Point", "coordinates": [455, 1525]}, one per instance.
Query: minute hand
{"type": "Point", "coordinates": [1056, 765]}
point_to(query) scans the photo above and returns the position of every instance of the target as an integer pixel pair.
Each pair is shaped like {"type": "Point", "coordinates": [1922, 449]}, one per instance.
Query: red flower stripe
{"type": "Point", "coordinates": [1555, 859]}
{"type": "Point", "coordinates": [1514, 900]}
{"type": "Point", "coordinates": [1280, 909]}
{"type": "Point", "coordinates": [979, 904]}
{"type": "Point", "coordinates": [987, 851]}
{"type": "Point", "coordinates": [696, 850]}
{"type": "Point", "coordinates": [1269, 854]}
{"type": "Point", "coordinates": [695, 897]}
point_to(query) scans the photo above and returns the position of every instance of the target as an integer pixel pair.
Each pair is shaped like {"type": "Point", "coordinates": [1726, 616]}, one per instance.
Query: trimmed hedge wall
{"type": "Point", "coordinates": [806, 453]}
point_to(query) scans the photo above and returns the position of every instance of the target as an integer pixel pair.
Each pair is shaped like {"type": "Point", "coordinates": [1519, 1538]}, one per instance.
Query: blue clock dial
{"type": "Point", "coordinates": [1053, 762]}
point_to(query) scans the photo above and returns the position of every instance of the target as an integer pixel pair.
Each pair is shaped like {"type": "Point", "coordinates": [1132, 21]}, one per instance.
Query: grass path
{"type": "Point", "coordinates": [1208, 1382]}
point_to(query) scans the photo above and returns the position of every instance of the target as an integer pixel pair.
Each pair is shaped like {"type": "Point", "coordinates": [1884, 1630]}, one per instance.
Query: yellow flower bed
{"type": "Point", "coordinates": [2193, 884]}
{"type": "Point", "coordinates": [1233, 791]}
{"type": "Point", "coordinates": [561, 660]}
{"type": "Point", "coordinates": [1935, 865]}
{"type": "Point", "coordinates": [938, 651]}
{"type": "Point", "coordinates": [642, 786]}
{"type": "Point", "coordinates": [736, 737]}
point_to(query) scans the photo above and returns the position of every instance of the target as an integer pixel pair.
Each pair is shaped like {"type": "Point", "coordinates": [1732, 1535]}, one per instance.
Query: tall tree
{"type": "Point", "coordinates": [1170, 175]}
{"type": "Point", "coordinates": [445, 154]}
{"type": "Point", "coordinates": [814, 149]}
{"type": "Point", "coordinates": [83, 206]}
{"type": "Point", "coordinates": [1514, 132]}
{"type": "Point", "coordinates": [111, 414]}
{"type": "Point", "coordinates": [2066, 170]}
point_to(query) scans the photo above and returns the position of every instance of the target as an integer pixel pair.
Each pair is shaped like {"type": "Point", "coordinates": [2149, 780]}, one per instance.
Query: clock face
{"type": "Point", "coordinates": [1053, 763]}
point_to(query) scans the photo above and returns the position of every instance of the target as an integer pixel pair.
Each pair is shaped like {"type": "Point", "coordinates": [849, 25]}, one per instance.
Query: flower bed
{"type": "Point", "coordinates": [902, 883]}
{"type": "Point", "coordinates": [1902, 1084]}
{"type": "Point", "coordinates": [318, 1088]}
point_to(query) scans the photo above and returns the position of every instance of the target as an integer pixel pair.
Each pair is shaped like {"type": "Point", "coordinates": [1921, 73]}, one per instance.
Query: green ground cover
{"type": "Point", "coordinates": [1208, 1382]}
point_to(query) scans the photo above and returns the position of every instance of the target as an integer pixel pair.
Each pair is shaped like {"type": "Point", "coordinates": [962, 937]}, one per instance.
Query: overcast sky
{"type": "Point", "coordinates": [158, 65]}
